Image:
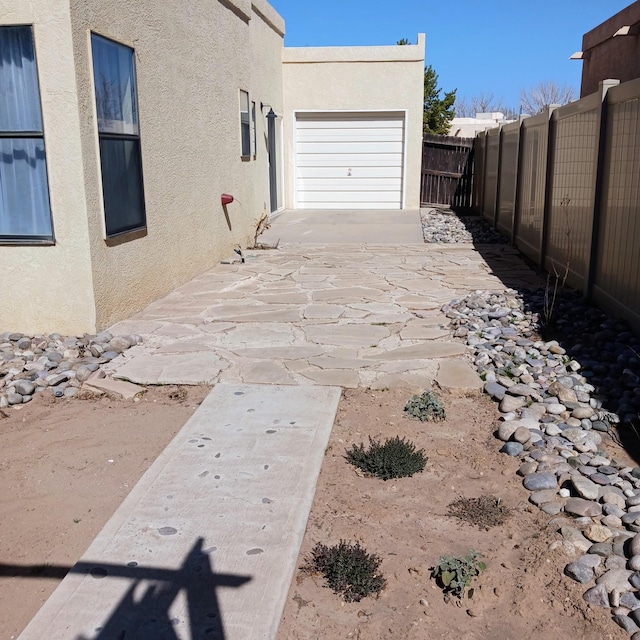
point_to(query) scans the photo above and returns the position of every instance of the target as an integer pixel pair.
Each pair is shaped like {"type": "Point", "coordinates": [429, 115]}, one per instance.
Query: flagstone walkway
{"type": "Point", "coordinates": [337, 315]}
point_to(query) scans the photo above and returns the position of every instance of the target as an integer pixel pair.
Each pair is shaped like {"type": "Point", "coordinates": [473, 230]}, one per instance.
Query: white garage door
{"type": "Point", "coordinates": [349, 161]}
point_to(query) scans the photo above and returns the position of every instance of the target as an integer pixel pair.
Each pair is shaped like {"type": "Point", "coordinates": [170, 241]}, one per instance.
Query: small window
{"type": "Point", "coordinates": [25, 212]}
{"type": "Point", "coordinates": [119, 136]}
{"type": "Point", "coordinates": [254, 144]}
{"type": "Point", "coordinates": [245, 126]}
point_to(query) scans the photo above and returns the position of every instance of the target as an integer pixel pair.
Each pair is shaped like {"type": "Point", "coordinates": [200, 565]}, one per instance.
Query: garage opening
{"type": "Point", "coordinates": [350, 160]}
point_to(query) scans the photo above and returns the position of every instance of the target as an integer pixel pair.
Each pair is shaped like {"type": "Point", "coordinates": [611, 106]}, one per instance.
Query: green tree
{"type": "Point", "coordinates": [438, 112]}
{"type": "Point", "coordinates": [403, 41]}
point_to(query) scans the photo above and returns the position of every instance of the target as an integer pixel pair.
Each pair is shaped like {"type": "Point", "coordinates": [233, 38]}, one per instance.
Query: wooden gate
{"type": "Point", "coordinates": [447, 171]}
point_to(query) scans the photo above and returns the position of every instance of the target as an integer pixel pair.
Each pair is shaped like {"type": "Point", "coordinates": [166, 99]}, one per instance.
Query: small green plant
{"type": "Point", "coordinates": [425, 407]}
{"type": "Point", "coordinates": [348, 569]}
{"type": "Point", "coordinates": [454, 575]}
{"type": "Point", "coordinates": [396, 458]}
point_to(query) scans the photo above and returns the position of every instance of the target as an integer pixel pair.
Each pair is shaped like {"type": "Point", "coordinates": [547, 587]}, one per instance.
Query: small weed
{"type": "Point", "coordinates": [396, 458]}
{"type": "Point", "coordinates": [348, 569]}
{"type": "Point", "coordinates": [454, 575]}
{"type": "Point", "coordinates": [425, 407]}
{"type": "Point", "coordinates": [76, 520]}
{"type": "Point", "coordinates": [484, 512]}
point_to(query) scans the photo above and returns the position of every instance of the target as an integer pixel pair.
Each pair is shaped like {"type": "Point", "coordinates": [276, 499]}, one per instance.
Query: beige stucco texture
{"type": "Point", "coordinates": [191, 66]}
{"type": "Point", "coordinates": [360, 79]}
{"type": "Point", "coordinates": [50, 287]}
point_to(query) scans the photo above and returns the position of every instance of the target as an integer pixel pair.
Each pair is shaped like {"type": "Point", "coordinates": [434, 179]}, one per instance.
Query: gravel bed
{"type": "Point", "coordinates": [54, 363]}
{"type": "Point", "coordinates": [557, 404]}
{"type": "Point", "coordinates": [445, 227]}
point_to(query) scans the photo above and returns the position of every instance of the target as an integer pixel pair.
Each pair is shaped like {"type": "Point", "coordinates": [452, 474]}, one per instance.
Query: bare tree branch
{"type": "Point", "coordinates": [543, 95]}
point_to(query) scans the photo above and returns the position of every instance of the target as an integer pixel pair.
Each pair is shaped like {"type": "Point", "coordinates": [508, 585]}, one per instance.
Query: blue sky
{"type": "Point", "coordinates": [493, 46]}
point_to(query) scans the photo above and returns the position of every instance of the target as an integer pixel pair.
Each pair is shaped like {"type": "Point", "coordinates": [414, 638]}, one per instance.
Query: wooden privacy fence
{"type": "Point", "coordinates": [447, 171]}
{"type": "Point", "coordinates": [564, 186]}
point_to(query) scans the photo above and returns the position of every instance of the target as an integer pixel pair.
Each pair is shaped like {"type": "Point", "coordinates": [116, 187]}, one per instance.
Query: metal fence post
{"type": "Point", "coordinates": [603, 88]}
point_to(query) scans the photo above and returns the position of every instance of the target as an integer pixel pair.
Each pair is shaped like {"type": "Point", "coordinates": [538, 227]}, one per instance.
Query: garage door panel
{"type": "Point", "coordinates": [356, 171]}
{"type": "Point", "coordinates": [350, 135]}
{"type": "Point", "coordinates": [348, 197]}
{"type": "Point", "coordinates": [345, 123]}
{"type": "Point", "coordinates": [354, 161]}
{"type": "Point", "coordinates": [362, 146]}
{"type": "Point", "coordinates": [385, 162]}
{"type": "Point", "coordinates": [351, 184]}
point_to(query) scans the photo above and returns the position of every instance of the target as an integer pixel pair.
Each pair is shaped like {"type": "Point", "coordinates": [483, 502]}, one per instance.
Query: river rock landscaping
{"type": "Point", "coordinates": [560, 405]}
{"type": "Point", "coordinates": [55, 363]}
{"type": "Point", "coordinates": [444, 226]}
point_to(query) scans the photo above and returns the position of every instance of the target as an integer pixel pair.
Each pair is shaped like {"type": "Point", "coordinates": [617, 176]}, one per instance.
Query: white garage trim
{"type": "Point", "coordinates": [350, 159]}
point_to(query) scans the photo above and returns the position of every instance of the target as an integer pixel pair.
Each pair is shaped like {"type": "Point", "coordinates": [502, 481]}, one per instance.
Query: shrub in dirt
{"type": "Point", "coordinates": [483, 512]}
{"type": "Point", "coordinates": [396, 458]}
{"type": "Point", "coordinates": [454, 574]}
{"type": "Point", "coordinates": [425, 407]}
{"type": "Point", "coordinates": [348, 569]}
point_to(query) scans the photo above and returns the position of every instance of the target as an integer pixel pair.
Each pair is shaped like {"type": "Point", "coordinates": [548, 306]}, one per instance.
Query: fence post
{"type": "Point", "coordinates": [548, 184]}
{"type": "Point", "coordinates": [516, 202]}
{"type": "Point", "coordinates": [603, 88]}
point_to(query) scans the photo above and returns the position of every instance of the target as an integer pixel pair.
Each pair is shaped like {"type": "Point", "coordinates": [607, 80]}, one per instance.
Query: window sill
{"type": "Point", "coordinates": [27, 242]}
{"type": "Point", "coordinates": [126, 236]}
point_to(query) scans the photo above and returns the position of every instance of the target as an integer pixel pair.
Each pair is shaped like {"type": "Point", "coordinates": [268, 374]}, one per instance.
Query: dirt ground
{"type": "Point", "coordinates": [65, 466]}
{"type": "Point", "coordinates": [523, 592]}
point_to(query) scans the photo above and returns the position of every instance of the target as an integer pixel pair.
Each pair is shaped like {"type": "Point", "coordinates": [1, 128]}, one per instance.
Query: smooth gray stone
{"type": "Point", "coordinates": [626, 623]}
{"type": "Point", "coordinates": [520, 389]}
{"type": "Point", "coordinates": [495, 390]}
{"type": "Point", "coordinates": [597, 596]}
{"type": "Point", "coordinates": [582, 507]}
{"type": "Point", "coordinates": [579, 572]}
{"type": "Point", "coordinates": [540, 481]}
{"type": "Point", "coordinates": [545, 495]}
{"type": "Point", "coordinates": [630, 601]}
{"type": "Point", "coordinates": [590, 560]}
{"type": "Point", "coordinates": [585, 488]}
{"type": "Point", "coordinates": [24, 387]}
{"type": "Point", "coordinates": [601, 479]}
{"type": "Point", "coordinates": [511, 403]}
{"type": "Point", "coordinates": [634, 545]}
{"type": "Point", "coordinates": [603, 549]}
{"type": "Point", "coordinates": [14, 398]}
{"type": "Point", "coordinates": [616, 579]}
{"type": "Point", "coordinates": [512, 448]}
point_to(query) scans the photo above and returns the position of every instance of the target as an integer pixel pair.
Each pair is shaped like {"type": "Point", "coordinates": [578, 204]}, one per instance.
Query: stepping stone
{"type": "Point", "coordinates": [120, 387]}
{"type": "Point", "coordinates": [265, 373]}
{"type": "Point", "coordinates": [333, 377]}
{"type": "Point", "coordinates": [197, 368]}
{"type": "Point", "coordinates": [420, 351]}
{"type": "Point", "coordinates": [458, 374]}
{"type": "Point", "coordinates": [422, 332]}
{"type": "Point", "coordinates": [348, 335]}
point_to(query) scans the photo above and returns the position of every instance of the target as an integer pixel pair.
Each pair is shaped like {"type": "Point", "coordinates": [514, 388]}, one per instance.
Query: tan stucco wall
{"type": "Point", "coordinates": [49, 288]}
{"type": "Point", "coordinates": [190, 66]}
{"type": "Point", "coordinates": [363, 79]}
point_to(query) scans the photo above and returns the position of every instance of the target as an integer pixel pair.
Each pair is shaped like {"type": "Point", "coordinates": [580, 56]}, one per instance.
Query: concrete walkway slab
{"type": "Point", "coordinates": [206, 544]}
{"type": "Point", "coordinates": [313, 226]}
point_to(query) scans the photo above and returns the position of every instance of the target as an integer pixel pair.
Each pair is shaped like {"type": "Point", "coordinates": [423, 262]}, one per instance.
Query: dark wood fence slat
{"type": "Point", "coordinates": [447, 171]}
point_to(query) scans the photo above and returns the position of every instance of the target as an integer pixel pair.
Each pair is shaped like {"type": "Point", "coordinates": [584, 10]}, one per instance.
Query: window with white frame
{"type": "Point", "coordinates": [25, 211]}
{"type": "Point", "coordinates": [119, 136]}
{"type": "Point", "coordinates": [245, 124]}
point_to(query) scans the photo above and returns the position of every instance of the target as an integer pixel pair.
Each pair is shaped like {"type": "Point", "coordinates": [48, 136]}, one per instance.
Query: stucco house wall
{"type": "Point", "coordinates": [607, 56]}
{"type": "Point", "coordinates": [52, 286]}
{"type": "Point", "coordinates": [386, 78]}
{"type": "Point", "coordinates": [190, 68]}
